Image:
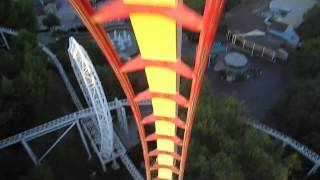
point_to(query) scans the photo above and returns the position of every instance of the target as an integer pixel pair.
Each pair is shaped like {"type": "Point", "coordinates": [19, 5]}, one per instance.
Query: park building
{"type": "Point", "coordinates": [236, 65]}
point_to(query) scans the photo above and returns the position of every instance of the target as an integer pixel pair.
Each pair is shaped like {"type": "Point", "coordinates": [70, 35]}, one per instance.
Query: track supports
{"type": "Point", "coordinates": [83, 139]}
{"type": "Point", "coordinates": [31, 154]}
{"type": "Point", "coordinates": [57, 141]}
{"type": "Point", "coordinates": [313, 170]}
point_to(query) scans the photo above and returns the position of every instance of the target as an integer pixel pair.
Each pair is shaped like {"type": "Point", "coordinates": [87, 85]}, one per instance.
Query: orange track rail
{"type": "Point", "coordinates": [206, 25]}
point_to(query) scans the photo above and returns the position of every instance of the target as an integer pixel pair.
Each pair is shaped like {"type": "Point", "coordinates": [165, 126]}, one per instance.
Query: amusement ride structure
{"type": "Point", "coordinates": [156, 25]}
{"type": "Point", "coordinates": [157, 29]}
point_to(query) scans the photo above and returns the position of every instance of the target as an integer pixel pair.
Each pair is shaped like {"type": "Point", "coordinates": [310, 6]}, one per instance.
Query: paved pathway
{"type": "Point", "coordinates": [258, 95]}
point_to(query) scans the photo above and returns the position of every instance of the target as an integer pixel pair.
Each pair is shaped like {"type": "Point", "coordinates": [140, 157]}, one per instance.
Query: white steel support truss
{"type": "Point", "coordinates": [94, 95]}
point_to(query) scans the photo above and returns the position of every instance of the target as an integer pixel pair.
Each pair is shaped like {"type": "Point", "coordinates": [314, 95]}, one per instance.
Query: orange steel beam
{"type": "Point", "coordinates": [212, 13]}
{"type": "Point", "coordinates": [207, 25]}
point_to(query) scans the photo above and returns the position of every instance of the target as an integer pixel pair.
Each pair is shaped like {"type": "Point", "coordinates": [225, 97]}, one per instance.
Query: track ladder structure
{"type": "Point", "coordinates": [174, 13]}
{"type": "Point", "coordinates": [168, 160]}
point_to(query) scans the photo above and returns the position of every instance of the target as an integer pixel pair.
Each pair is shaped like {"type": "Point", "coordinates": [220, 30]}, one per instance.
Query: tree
{"type": "Point", "coordinates": [306, 60]}
{"type": "Point", "coordinates": [298, 113]}
{"type": "Point", "coordinates": [109, 82]}
{"type": "Point", "coordinates": [301, 114]}
{"type": "Point", "coordinates": [311, 25]}
{"type": "Point", "coordinates": [231, 4]}
{"type": "Point", "coordinates": [51, 21]}
{"type": "Point", "coordinates": [198, 5]}
{"type": "Point", "coordinates": [18, 14]}
{"type": "Point", "coordinates": [23, 92]}
{"type": "Point", "coordinates": [223, 147]}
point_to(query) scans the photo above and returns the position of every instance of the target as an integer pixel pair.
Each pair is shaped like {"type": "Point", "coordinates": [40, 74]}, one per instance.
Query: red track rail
{"type": "Point", "coordinates": [206, 25]}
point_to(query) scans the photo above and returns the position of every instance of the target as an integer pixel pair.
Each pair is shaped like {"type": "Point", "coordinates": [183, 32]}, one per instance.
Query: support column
{"type": "Point", "coordinates": [122, 117]}
{"type": "Point", "coordinates": [273, 56]}
{"type": "Point", "coordinates": [254, 45]}
{"type": "Point", "coordinates": [31, 154]}
{"type": "Point", "coordinates": [313, 170]}
{"type": "Point", "coordinates": [234, 39]}
{"type": "Point", "coordinates": [115, 165]}
{"type": "Point", "coordinates": [56, 142]}
{"type": "Point", "coordinates": [93, 144]}
{"type": "Point", "coordinates": [84, 141]}
{"type": "Point", "coordinates": [5, 40]}
{"type": "Point", "coordinates": [263, 51]}
{"type": "Point", "coordinates": [284, 144]}
{"type": "Point", "coordinates": [228, 35]}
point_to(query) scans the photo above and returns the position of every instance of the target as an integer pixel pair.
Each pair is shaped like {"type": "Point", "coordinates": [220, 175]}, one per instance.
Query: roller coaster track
{"type": "Point", "coordinates": [46, 128]}
{"type": "Point", "coordinates": [171, 150]}
{"type": "Point", "coordinates": [65, 121]}
{"type": "Point", "coordinates": [69, 120]}
{"type": "Point", "coordinates": [300, 148]}
{"type": "Point", "coordinates": [3, 37]}
{"type": "Point", "coordinates": [8, 31]}
{"type": "Point", "coordinates": [88, 113]}
{"type": "Point", "coordinates": [56, 124]}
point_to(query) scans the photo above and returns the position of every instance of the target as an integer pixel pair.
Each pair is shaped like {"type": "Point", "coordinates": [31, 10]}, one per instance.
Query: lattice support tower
{"type": "Point", "coordinates": [94, 95]}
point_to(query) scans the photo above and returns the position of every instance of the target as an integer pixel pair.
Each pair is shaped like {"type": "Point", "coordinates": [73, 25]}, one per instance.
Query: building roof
{"type": "Point", "coordinates": [278, 26]}
{"type": "Point", "coordinates": [236, 60]}
{"type": "Point", "coordinates": [297, 9]}
{"type": "Point", "coordinates": [268, 41]}
{"type": "Point", "coordinates": [242, 18]}
{"type": "Point", "coordinates": [255, 32]}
